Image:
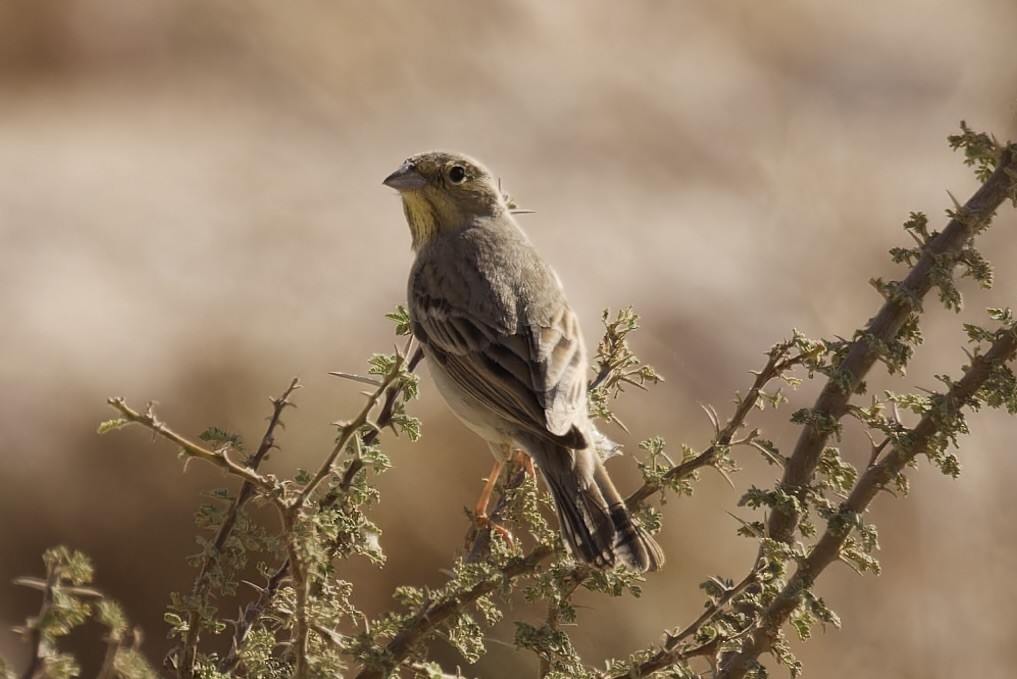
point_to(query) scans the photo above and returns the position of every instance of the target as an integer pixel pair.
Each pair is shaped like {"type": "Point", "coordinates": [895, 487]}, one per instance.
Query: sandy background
{"type": "Point", "coordinates": [191, 211]}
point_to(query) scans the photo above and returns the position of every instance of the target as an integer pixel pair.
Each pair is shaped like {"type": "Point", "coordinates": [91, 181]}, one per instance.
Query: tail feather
{"type": "Point", "coordinates": [595, 523]}
{"type": "Point", "coordinates": [633, 544]}
{"type": "Point", "coordinates": [587, 530]}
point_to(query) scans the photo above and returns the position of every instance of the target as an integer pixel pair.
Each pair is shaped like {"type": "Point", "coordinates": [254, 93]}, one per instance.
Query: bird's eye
{"type": "Point", "coordinates": [457, 174]}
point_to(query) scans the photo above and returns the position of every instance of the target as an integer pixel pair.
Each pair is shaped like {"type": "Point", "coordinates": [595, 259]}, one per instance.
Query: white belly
{"type": "Point", "coordinates": [474, 414]}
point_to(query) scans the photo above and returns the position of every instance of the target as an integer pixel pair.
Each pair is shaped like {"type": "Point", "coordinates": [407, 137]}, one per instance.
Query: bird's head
{"type": "Point", "coordinates": [444, 191]}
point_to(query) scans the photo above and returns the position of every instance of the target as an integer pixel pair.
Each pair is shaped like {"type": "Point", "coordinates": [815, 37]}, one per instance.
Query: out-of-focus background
{"type": "Point", "coordinates": [191, 212]}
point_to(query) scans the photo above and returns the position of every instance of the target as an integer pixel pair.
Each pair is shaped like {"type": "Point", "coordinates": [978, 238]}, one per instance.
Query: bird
{"type": "Point", "coordinates": [506, 352]}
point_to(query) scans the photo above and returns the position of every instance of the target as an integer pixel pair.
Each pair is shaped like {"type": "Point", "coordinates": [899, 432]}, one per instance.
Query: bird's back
{"type": "Point", "coordinates": [496, 273]}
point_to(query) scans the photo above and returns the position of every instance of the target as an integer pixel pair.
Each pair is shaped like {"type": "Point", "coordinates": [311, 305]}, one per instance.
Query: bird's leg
{"type": "Point", "coordinates": [480, 516]}
{"type": "Point", "coordinates": [526, 462]}
{"type": "Point", "coordinates": [480, 509]}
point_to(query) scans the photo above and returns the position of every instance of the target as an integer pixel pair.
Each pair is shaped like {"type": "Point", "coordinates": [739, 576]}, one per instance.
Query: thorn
{"type": "Point", "coordinates": [746, 525]}
{"type": "Point", "coordinates": [957, 206]}
{"type": "Point", "coordinates": [726, 477]}
{"type": "Point", "coordinates": [768, 454]}
{"type": "Point", "coordinates": [353, 377]}
{"type": "Point", "coordinates": [896, 412]}
{"type": "Point", "coordinates": [850, 565]}
{"type": "Point", "coordinates": [30, 582]}
{"type": "Point", "coordinates": [710, 413]}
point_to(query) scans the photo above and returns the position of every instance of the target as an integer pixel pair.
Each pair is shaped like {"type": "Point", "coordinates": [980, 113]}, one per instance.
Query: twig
{"type": "Point", "coordinates": [116, 642]}
{"type": "Point", "coordinates": [438, 612]}
{"type": "Point", "coordinates": [349, 429]}
{"type": "Point", "coordinates": [108, 668]}
{"type": "Point", "coordinates": [393, 391]}
{"type": "Point", "coordinates": [778, 362]}
{"type": "Point", "coordinates": [266, 484]}
{"type": "Point", "coordinates": [36, 639]}
{"type": "Point", "coordinates": [672, 653]}
{"type": "Point", "coordinates": [291, 514]}
{"type": "Point", "coordinates": [252, 613]}
{"type": "Point", "coordinates": [202, 582]}
{"type": "Point", "coordinates": [300, 584]}
{"type": "Point", "coordinates": [554, 613]}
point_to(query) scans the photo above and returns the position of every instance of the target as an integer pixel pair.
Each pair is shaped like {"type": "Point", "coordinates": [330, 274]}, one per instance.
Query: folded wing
{"type": "Point", "coordinates": [533, 376]}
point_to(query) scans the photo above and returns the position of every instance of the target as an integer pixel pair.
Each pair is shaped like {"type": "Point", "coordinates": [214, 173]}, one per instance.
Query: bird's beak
{"type": "Point", "coordinates": [406, 178]}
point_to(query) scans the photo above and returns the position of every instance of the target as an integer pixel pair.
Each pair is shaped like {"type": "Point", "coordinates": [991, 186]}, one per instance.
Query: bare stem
{"type": "Point", "coordinates": [219, 458]}
{"type": "Point", "coordinates": [299, 581]}
{"type": "Point", "coordinates": [36, 639]}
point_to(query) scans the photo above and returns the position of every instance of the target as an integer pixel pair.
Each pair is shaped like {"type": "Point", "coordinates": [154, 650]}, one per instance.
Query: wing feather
{"type": "Point", "coordinates": [533, 376]}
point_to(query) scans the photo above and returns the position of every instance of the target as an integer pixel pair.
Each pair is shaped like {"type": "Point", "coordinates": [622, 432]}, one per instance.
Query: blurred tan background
{"type": "Point", "coordinates": [191, 212]}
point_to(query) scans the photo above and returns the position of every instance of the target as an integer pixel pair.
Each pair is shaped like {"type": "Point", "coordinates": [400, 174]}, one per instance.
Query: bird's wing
{"type": "Point", "coordinates": [534, 377]}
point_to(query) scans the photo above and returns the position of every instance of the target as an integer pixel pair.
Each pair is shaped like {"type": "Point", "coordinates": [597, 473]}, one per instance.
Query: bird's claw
{"type": "Point", "coordinates": [485, 522]}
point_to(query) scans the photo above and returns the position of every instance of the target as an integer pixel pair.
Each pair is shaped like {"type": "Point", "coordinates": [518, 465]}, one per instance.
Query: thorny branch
{"type": "Point", "coordinates": [884, 327]}
{"type": "Point", "coordinates": [672, 650]}
{"type": "Point", "coordinates": [431, 616]}
{"type": "Point", "coordinates": [36, 639]}
{"type": "Point", "coordinates": [387, 393]}
{"type": "Point", "coordinates": [779, 361]}
{"type": "Point", "coordinates": [828, 548]}
{"type": "Point", "coordinates": [833, 403]}
{"type": "Point", "coordinates": [389, 385]}
{"type": "Point", "coordinates": [391, 390]}
{"type": "Point", "coordinates": [266, 484]}
{"type": "Point", "coordinates": [202, 582]}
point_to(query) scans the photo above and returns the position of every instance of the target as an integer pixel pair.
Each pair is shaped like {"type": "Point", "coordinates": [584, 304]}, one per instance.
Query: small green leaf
{"type": "Point", "coordinates": [401, 318]}
{"type": "Point", "coordinates": [110, 425]}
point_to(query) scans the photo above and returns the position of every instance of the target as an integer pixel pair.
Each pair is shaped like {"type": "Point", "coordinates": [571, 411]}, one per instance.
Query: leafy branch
{"type": "Point", "coordinates": [930, 436]}
{"type": "Point", "coordinates": [888, 337]}
{"type": "Point", "coordinates": [68, 601]}
{"type": "Point", "coordinates": [940, 253]}
{"type": "Point", "coordinates": [203, 582]}
{"type": "Point", "coordinates": [302, 620]}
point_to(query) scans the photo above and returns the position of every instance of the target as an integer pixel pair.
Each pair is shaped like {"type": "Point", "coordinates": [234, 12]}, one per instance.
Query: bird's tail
{"type": "Point", "coordinates": [595, 522]}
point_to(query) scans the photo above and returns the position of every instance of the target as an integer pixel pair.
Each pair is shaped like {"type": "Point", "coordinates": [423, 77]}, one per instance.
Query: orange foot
{"type": "Point", "coordinates": [480, 515]}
